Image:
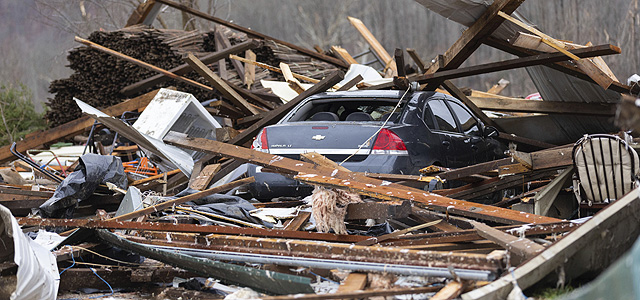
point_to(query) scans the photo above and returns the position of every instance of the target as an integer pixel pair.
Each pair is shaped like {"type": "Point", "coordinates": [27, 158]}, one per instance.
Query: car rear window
{"type": "Point", "coordinates": [356, 110]}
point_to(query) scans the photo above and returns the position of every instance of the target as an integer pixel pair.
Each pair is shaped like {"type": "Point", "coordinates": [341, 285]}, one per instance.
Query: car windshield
{"type": "Point", "coordinates": [350, 110]}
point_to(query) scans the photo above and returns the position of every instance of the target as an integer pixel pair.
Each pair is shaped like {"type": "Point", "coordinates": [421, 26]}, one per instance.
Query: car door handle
{"type": "Point", "coordinates": [446, 143]}
{"type": "Point", "coordinates": [474, 147]}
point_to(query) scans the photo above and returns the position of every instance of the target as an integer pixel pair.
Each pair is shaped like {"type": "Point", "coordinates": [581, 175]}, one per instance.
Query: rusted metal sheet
{"type": "Point", "coordinates": [192, 228]}
{"type": "Point", "coordinates": [316, 174]}
{"type": "Point", "coordinates": [322, 250]}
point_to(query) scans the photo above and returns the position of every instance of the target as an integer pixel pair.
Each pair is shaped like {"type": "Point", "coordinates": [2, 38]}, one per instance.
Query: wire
{"type": "Point", "coordinates": [72, 258]}
{"type": "Point", "coordinates": [105, 257]}
{"type": "Point", "coordinates": [92, 270]}
{"type": "Point", "coordinates": [379, 129]}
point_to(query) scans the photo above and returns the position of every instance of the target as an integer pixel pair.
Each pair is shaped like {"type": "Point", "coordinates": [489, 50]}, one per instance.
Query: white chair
{"type": "Point", "coordinates": [606, 169]}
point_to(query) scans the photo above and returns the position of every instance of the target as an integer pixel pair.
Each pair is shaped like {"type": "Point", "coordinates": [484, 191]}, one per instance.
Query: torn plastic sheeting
{"type": "Point", "coordinates": [170, 155]}
{"type": "Point", "coordinates": [92, 171]}
{"type": "Point", "coordinates": [37, 276]}
{"type": "Point", "coordinates": [225, 205]}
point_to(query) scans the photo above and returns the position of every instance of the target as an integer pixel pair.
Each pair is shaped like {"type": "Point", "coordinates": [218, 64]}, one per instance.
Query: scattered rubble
{"type": "Point", "coordinates": [168, 119]}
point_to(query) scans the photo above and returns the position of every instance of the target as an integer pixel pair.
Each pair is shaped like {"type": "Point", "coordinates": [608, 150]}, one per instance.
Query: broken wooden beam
{"type": "Point", "coordinates": [375, 45]}
{"type": "Point", "coordinates": [454, 91]}
{"type": "Point", "coordinates": [473, 37]}
{"type": "Point", "coordinates": [315, 174]}
{"type": "Point", "coordinates": [378, 210]}
{"type": "Point", "coordinates": [559, 66]}
{"type": "Point", "coordinates": [188, 228]}
{"type": "Point", "coordinates": [539, 59]}
{"type": "Point", "coordinates": [219, 84]}
{"type": "Point", "coordinates": [521, 249]}
{"type": "Point", "coordinates": [544, 107]}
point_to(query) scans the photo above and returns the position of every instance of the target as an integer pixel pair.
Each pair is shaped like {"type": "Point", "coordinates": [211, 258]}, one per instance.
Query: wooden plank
{"type": "Point", "coordinates": [558, 45]}
{"type": "Point", "coordinates": [375, 44]}
{"type": "Point", "coordinates": [595, 234]}
{"type": "Point", "coordinates": [190, 228]}
{"type": "Point", "coordinates": [252, 33]}
{"type": "Point", "coordinates": [353, 282]}
{"type": "Point", "coordinates": [520, 249]}
{"type": "Point", "coordinates": [472, 38]}
{"type": "Point", "coordinates": [294, 84]}
{"type": "Point", "coordinates": [222, 64]}
{"type": "Point", "coordinates": [451, 88]}
{"type": "Point", "coordinates": [367, 186]}
{"type": "Point", "coordinates": [296, 223]}
{"type": "Point", "coordinates": [522, 140]}
{"type": "Point", "coordinates": [378, 210]}
{"type": "Point", "coordinates": [275, 115]}
{"type": "Point", "coordinates": [351, 83]}
{"type": "Point", "coordinates": [272, 68]}
{"type": "Point", "coordinates": [498, 87]}
{"type": "Point", "coordinates": [203, 179]}
{"type": "Point", "coordinates": [185, 68]}
{"type": "Point", "coordinates": [450, 291]}
{"type": "Point", "coordinates": [343, 54]}
{"type": "Point", "coordinates": [588, 66]}
{"type": "Point", "coordinates": [250, 69]}
{"type": "Point", "coordinates": [560, 66]}
{"type": "Point", "coordinates": [416, 58]}
{"type": "Point", "coordinates": [544, 107]}
{"type": "Point", "coordinates": [74, 127]}
{"type": "Point", "coordinates": [321, 160]}
{"type": "Point", "coordinates": [227, 44]}
{"type": "Point", "coordinates": [539, 59]}
{"type": "Point", "coordinates": [219, 84]}
{"type": "Point", "coordinates": [142, 13]}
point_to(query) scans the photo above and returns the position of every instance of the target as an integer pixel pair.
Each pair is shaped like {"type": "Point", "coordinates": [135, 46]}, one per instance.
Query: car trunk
{"type": "Point", "coordinates": [336, 140]}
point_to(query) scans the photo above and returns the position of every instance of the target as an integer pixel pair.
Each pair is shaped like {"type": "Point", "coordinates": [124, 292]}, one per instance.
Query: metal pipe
{"type": "Point", "coordinates": [407, 270]}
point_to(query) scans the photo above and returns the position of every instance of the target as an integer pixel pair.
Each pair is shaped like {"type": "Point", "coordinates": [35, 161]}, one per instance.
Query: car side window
{"type": "Point", "coordinates": [467, 121]}
{"type": "Point", "coordinates": [443, 116]}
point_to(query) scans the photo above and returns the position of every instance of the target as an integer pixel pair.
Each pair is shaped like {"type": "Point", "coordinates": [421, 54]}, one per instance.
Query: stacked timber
{"type": "Point", "coordinates": [98, 78]}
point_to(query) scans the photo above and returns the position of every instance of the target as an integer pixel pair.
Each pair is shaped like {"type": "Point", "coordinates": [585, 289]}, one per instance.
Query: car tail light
{"type": "Point", "coordinates": [260, 142]}
{"type": "Point", "coordinates": [387, 140]}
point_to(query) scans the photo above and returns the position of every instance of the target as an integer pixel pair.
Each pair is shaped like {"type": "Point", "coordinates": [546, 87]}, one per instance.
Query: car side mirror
{"type": "Point", "coordinates": [490, 131]}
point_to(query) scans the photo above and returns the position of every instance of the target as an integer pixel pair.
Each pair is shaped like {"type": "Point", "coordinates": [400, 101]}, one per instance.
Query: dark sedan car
{"type": "Point", "coordinates": [422, 129]}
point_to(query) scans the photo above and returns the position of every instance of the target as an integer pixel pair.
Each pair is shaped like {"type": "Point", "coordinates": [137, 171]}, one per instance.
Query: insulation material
{"type": "Point", "coordinates": [329, 207]}
{"type": "Point", "coordinates": [37, 276]}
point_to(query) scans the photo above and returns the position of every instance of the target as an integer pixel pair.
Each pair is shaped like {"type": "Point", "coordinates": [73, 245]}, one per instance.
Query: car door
{"type": "Point", "coordinates": [456, 152]}
{"type": "Point", "coordinates": [472, 139]}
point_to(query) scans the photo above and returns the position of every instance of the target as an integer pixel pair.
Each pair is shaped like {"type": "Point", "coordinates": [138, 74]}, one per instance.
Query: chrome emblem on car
{"type": "Point", "coordinates": [318, 137]}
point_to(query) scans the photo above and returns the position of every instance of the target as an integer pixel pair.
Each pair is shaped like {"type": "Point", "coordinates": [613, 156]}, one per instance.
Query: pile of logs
{"type": "Point", "coordinates": [98, 78]}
